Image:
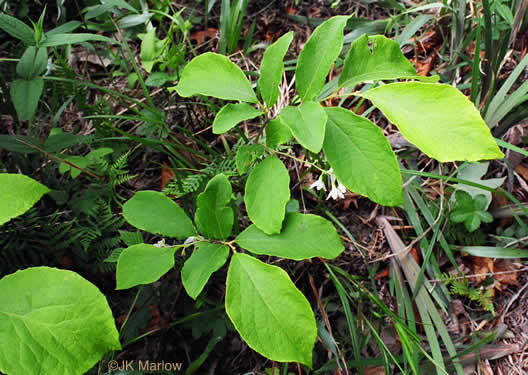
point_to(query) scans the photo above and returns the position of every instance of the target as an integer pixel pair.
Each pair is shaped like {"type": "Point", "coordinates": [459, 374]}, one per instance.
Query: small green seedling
{"type": "Point", "coordinates": [470, 211]}
{"type": "Point", "coordinates": [27, 89]}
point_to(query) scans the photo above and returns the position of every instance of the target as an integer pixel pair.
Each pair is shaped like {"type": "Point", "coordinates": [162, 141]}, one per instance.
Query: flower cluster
{"type": "Point", "coordinates": [336, 191]}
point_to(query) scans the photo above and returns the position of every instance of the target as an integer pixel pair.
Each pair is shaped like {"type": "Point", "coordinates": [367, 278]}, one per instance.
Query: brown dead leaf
{"type": "Point", "coordinates": [431, 40]}
{"type": "Point", "coordinates": [274, 30]}
{"type": "Point", "coordinates": [199, 36]}
{"type": "Point", "coordinates": [481, 267]}
{"type": "Point", "coordinates": [522, 170]}
{"type": "Point", "coordinates": [424, 67]}
{"type": "Point", "coordinates": [486, 369]}
{"type": "Point", "coordinates": [382, 274]}
{"type": "Point", "coordinates": [350, 198]}
{"type": "Point", "coordinates": [490, 352]}
{"type": "Point", "coordinates": [82, 55]}
{"type": "Point", "coordinates": [166, 174]}
{"type": "Point", "coordinates": [515, 136]}
{"type": "Point", "coordinates": [414, 253]}
{"type": "Point", "coordinates": [506, 272]}
{"type": "Point", "coordinates": [377, 370]}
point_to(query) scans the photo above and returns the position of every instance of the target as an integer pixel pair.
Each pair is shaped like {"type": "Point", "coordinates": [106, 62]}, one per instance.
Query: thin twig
{"type": "Point", "coordinates": [61, 160]}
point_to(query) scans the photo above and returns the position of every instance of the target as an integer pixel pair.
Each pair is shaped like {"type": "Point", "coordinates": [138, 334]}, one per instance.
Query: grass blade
{"type": "Point", "coordinates": [493, 115]}
{"type": "Point", "coordinates": [493, 252]}
{"type": "Point", "coordinates": [476, 69]}
{"type": "Point", "coordinates": [431, 319]}
{"type": "Point", "coordinates": [349, 317]}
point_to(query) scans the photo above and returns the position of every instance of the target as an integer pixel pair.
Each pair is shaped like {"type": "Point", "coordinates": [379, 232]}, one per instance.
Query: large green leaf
{"type": "Point", "coordinates": [65, 28]}
{"type": "Point", "coordinates": [25, 95]}
{"type": "Point", "coordinates": [271, 69]}
{"type": "Point", "coordinates": [151, 49]}
{"type": "Point", "coordinates": [269, 312]}
{"type": "Point", "coordinates": [317, 57]}
{"type": "Point", "coordinates": [215, 75]}
{"type": "Point", "coordinates": [155, 213]}
{"type": "Point", "coordinates": [214, 218]}
{"type": "Point", "coordinates": [232, 114]}
{"type": "Point", "coordinates": [33, 62]}
{"type": "Point", "coordinates": [143, 264]}
{"type": "Point", "coordinates": [307, 123]}
{"type": "Point", "coordinates": [362, 158]}
{"type": "Point", "coordinates": [382, 59]}
{"type": "Point", "coordinates": [53, 322]}
{"type": "Point", "coordinates": [17, 29]}
{"type": "Point", "coordinates": [18, 193]}
{"type": "Point", "coordinates": [277, 133]}
{"type": "Point", "coordinates": [303, 236]}
{"type": "Point", "coordinates": [267, 192]}
{"type": "Point", "coordinates": [206, 259]}
{"type": "Point", "coordinates": [438, 119]}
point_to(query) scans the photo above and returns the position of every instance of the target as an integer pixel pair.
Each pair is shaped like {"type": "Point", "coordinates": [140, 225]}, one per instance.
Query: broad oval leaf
{"type": "Point", "coordinates": [18, 193]}
{"type": "Point", "coordinates": [214, 218]}
{"type": "Point", "coordinates": [25, 95]}
{"type": "Point", "coordinates": [153, 212]}
{"type": "Point", "coordinates": [362, 157]}
{"type": "Point", "coordinates": [271, 69]}
{"type": "Point", "coordinates": [206, 259]}
{"type": "Point", "coordinates": [318, 55]}
{"type": "Point", "coordinates": [267, 192]}
{"type": "Point", "coordinates": [277, 133]}
{"type": "Point", "coordinates": [215, 75]}
{"type": "Point", "coordinates": [376, 58]}
{"type": "Point", "coordinates": [307, 123]}
{"type": "Point", "coordinates": [53, 322]}
{"type": "Point", "coordinates": [303, 236]}
{"type": "Point", "coordinates": [269, 312]}
{"type": "Point", "coordinates": [438, 119]}
{"type": "Point", "coordinates": [232, 114]}
{"type": "Point", "coordinates": [143, 264]}
{"type": "Point", "coordinates": [246, 155]}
